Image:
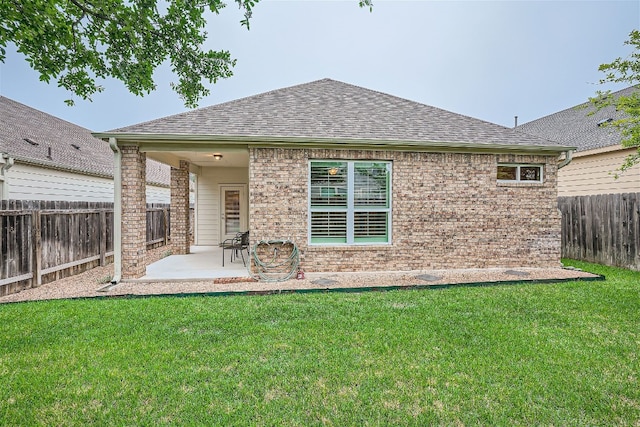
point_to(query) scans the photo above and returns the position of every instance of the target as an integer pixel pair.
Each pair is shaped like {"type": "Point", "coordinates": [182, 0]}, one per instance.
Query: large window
{"type": "Point", "coordinates": [350, 202]}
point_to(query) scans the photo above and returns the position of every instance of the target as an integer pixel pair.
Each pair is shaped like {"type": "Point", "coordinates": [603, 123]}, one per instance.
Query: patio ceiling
{"type": "Point", "coordinates": [231, 157]}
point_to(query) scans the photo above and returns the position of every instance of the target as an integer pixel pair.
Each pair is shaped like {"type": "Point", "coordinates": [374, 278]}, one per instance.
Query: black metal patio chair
{"type": "Point", "coordinates": [237, 245]}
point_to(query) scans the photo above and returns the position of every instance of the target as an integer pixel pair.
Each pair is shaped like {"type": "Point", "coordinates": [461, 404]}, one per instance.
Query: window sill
{"type": "Point", "coordinates": [349, 248]}
{"type": "Point", "coordinates": [520, 184]}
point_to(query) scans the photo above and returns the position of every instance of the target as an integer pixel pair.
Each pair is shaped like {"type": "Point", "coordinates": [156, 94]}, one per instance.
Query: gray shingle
{"type": "Point", "coordinates": [575, 126]}
{"type": "Point", "coordinates": [331, 109]}
{"type": "Point", "coordinates": [92, 156]}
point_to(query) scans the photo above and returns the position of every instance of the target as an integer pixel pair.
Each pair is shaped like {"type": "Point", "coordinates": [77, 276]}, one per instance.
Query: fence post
{"type": "Point", "coordinates": [166, 226]}
{"type": "Point", "coordinates": [37, 247]}
{"type": "Point", "coordinates": [103, 237]}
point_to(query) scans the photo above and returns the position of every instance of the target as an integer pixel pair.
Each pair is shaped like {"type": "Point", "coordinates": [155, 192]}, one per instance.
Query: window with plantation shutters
{"type": "Point", "coordinates": [349, 202]}
{"type": "Point", "coordinates": [329, 227]}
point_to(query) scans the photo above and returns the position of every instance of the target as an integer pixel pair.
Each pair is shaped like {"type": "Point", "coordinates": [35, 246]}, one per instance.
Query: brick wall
{"type": "Point", "coordinates": [180, 240]}
{"type": "Point", "coordinates": [134, 212]}
{"type": "Point", "coordinates": [448, 211]}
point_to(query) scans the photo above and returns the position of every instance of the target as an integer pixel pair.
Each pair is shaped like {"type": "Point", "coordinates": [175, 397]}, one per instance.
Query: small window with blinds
{"type": "Point", "coordinates": [349, 202]}
{"type": "Point", "coordinates": [519, 173]}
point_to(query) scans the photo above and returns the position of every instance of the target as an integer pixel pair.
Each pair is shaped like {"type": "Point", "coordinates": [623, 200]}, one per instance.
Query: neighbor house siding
{"type": "Point", "coordinates": [26, 182]}
{"type": "Point", "coordinates": [156, 194]}
{"type": "Point", "coordinates": [449, 211]}
{"type": "Point", "coordinates": [592, 172]}
{"type": "Point", "coordinates": [208, 200]}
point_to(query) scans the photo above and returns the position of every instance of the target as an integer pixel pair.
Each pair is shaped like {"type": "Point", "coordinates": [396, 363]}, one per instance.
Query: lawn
{"type": "Point", "coordinates": [552, 354]}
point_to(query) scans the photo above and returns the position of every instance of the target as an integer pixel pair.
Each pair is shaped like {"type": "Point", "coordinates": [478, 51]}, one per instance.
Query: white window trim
{"type": "Point", "coordinates": [351, 208]}
{"type": "Point", "coordinates": [518, 166]}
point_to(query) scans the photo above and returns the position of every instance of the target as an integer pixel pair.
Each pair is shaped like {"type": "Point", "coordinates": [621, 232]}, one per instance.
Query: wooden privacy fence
{"type": "Point", "coordinates": [603, 229]}
{"type": "Point", "coordinates": [46, 241]}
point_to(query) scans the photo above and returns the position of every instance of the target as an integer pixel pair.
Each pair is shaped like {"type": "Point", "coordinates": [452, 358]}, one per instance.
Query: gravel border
{"type": "Point", "coordinates": [87, 284]}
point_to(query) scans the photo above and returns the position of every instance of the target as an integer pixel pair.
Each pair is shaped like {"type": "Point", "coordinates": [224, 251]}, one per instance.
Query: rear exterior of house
{"type": "Point", "coordinates": [357, 179]}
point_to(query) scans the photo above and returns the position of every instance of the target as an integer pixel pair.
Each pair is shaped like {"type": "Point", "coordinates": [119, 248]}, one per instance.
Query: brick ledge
{"type": "Point", "coordinates": [350, 248]}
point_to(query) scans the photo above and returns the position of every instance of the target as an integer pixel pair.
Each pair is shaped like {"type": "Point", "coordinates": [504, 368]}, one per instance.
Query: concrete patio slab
{"type": "Point", "coordinates": [203, 263]}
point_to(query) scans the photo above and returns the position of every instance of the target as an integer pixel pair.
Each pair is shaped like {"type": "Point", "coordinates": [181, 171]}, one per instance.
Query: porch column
{"type": "Point", "coordinates": [134, 212]}
{"type": "Point", "coordinates": [180, 242]}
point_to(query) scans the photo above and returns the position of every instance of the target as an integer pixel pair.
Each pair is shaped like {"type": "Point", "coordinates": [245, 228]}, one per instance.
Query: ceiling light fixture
{"type": "Point", "coordinates": [217, 156]}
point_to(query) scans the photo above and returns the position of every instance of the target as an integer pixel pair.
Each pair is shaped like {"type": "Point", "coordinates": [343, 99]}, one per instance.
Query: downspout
{"type": "Point", "coordinates": [567, 159]}
{"type": "Point", "coordinates": [8, 162]}
{"type": "Point", "coordinates": [117, 211]}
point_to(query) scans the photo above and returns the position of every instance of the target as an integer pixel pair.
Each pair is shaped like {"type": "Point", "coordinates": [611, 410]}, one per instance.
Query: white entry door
{"type": "Point", "coordinates": [233, 210]}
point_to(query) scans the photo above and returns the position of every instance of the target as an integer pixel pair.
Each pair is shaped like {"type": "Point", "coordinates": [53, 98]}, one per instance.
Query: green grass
{"type": "Point", "coordinates": [545, 354]}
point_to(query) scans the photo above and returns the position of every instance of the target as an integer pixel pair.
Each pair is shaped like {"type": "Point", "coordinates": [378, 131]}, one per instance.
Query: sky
{"type": "Point", "coordinates": [491, 60]}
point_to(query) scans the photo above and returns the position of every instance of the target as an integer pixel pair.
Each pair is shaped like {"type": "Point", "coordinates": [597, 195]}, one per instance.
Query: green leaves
{"type": "Point", "coordinates": [247, 5]}
{"type": "Point", "coordinates": [77, 42]}
{"type": "Point", "coordinates": [366, 3]}
{"type": "Point", "coordinates": [624, 70]}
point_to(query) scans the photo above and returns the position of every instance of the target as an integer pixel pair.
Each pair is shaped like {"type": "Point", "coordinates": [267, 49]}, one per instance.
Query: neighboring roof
{"type": "Point", "coordinates": [575, 126]}
{"type": "Point", "coordinates": [30, 135]}
{"type": "Point", "coordinates": [328, 109]}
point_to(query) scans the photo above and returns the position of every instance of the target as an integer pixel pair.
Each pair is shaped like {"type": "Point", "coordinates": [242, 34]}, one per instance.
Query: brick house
{"type": "Point", "coordinates": [358, 179]}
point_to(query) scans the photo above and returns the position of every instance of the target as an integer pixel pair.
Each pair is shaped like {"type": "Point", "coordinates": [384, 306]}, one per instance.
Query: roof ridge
{"type": "Point", "coordinates": [328, 108]}
{"type": "Point", "coordinates": [326, 79]}
{"type": "Point", "coordinates": [406, 100]}
{"type": "Point", "coordinates": [221, 104]}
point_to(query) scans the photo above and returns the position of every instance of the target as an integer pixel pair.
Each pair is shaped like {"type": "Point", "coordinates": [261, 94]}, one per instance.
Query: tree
{"type": "Point", "coordinates": [77, 42]}
{"type": "Point", "coordinates": [624, 71]}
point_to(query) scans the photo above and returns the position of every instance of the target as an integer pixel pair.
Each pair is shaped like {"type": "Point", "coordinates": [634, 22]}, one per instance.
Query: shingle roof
{"type": "Point", "coordinates": [575, 126]}
{"type": "Point", "coordinates": [331, 109]}
{"type": "Point", "coordinates": [27, 134]}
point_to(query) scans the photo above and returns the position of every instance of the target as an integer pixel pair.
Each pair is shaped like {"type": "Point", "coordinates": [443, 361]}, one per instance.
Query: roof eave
{"type": "Point", "coordinates": [60, 168]}
{"type": "Point", "coordinates": [176, 142]}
